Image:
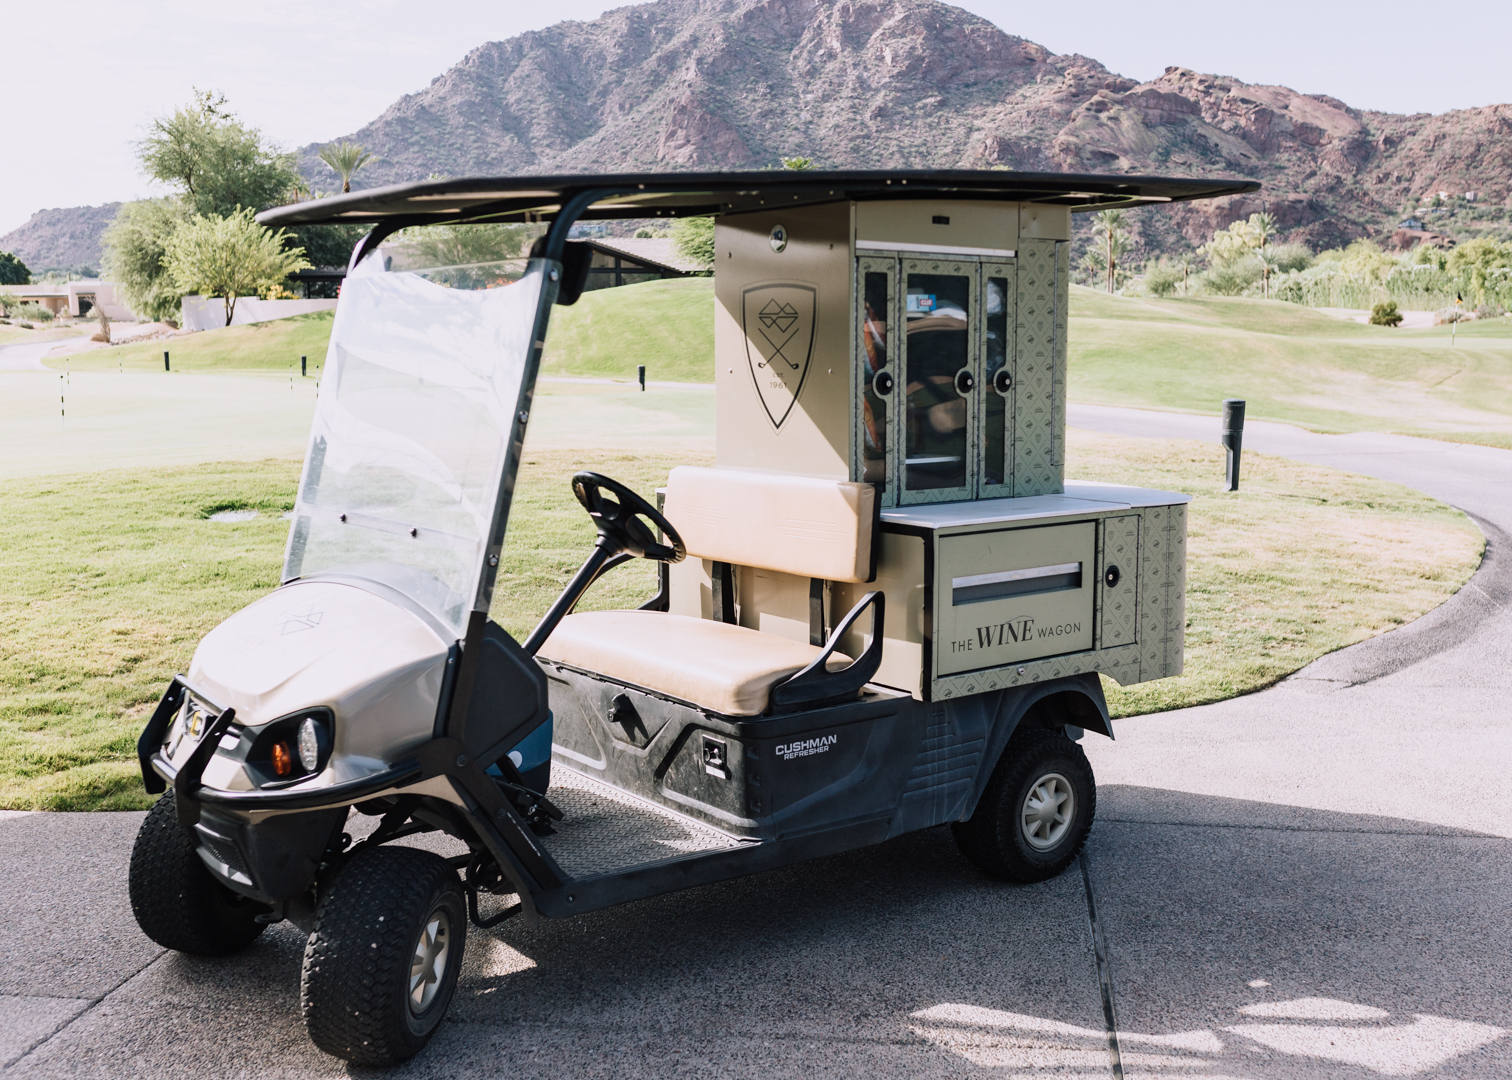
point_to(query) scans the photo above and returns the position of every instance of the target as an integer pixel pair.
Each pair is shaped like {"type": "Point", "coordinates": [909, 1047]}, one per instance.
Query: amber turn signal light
{"type": "Point", "coordinates": [283, 759]}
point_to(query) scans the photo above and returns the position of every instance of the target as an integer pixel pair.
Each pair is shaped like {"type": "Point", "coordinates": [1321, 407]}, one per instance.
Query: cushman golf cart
{"type": "Point", "coordinates": [882, 610]}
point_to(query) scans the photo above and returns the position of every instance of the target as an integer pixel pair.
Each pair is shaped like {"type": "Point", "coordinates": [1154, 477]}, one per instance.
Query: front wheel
{"type": "Point", "coordinates": [1036, 812]}
{"type": "Point", "coordinates": [380, 968]}
{"type": "Point", "coordinates": [176, 900]}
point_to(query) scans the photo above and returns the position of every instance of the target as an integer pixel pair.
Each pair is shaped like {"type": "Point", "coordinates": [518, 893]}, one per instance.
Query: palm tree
{"type": "Point", "coordinates": [345, 158]}
{"type": "Point", "coordinates": [1184, 261]}
{"type": "Point", "coordinates": [1269, 264]}
{"type": "Point", "coordinates": [1264, 227]}
{"type": "Point", "coordinates": [1114, 241]}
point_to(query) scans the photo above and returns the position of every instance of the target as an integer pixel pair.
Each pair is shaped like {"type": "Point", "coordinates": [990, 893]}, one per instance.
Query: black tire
{"type": "Point", "coordinates": [355, 992]}
{"type": "Point", "coordinates": [177, 902]}
{"type": "Point", "coordinates": [996, 840]}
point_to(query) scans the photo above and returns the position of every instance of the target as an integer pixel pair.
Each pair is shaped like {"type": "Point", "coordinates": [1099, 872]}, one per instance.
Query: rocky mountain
{"type": "Point", "coordinates": [65, 238]}
{"type": "Point", "coordinates": [707, 84]}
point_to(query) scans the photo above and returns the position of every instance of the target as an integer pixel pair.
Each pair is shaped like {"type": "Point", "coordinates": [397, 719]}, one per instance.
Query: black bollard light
{"type": "Point", "coordinates": [640, 374]}
{"type": "Point", "coordinates": [165, 360]}
{"type": "Point", "coordinates": [301, 367]}
{"type": "Point", "coordinates": [1233, 437]}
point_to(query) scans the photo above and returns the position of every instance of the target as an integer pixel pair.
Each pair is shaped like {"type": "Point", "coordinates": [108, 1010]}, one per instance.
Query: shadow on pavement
{"type": "Point", "coordinates": [1300, 943]}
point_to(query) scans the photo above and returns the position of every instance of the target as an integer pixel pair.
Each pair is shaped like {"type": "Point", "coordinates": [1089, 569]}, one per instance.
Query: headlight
{"type": "Point", "coordinates": [291, 748]}
{"type": "Point", "coordinates": [309, 744]}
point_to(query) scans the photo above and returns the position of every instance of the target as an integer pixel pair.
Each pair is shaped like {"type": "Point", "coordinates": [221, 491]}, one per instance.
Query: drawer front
{"type": "Point", "coordinates": [1012, 595]}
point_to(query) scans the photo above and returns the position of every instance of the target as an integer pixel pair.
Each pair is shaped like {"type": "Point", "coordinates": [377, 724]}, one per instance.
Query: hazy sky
{"type": "Point", "coordinates": [81, 91]}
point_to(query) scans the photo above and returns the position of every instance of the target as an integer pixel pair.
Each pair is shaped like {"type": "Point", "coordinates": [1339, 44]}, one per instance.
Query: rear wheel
{"type": "Point", "coordinates": [1036, 812]}
{"type": "Point", "coordinates": [177, 902]}
{"type": "Point", "coordinates": [381, 966]}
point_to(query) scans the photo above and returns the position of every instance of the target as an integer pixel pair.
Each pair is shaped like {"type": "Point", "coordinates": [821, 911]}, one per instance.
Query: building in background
{"type": "Point", "coordinates": [625, 261]}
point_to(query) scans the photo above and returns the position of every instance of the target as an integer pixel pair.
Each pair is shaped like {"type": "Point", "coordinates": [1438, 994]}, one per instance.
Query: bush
{"type": "Point", "coordinates": [1231, 278]}
{"type": "Point", "coordinates": [1161, 278]}
{"type": "Point", "coordinates": [34, 311]}
{"type": "Point", "coordinates": [1292, 257]}
{"type": "Point", "coordinates": [1385, 314]}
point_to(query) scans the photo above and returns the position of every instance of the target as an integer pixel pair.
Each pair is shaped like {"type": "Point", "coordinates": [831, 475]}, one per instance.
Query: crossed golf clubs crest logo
{"type": "Point", "coordinates": [779, 330]}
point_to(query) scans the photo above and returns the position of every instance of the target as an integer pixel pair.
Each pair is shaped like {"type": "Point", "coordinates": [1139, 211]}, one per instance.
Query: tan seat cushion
{"type": "Point", "coordinates": [792, 524]}
{"type": "Point", "coordinates": [723, 668]}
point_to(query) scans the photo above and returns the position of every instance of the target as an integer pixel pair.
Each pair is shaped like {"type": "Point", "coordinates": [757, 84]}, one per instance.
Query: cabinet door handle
{"type": "Point", "coordinates": [964, 382]}
{"type": "Point", "coordinates": [882, 383]}
{"type": "Point", "coordinates": [1002, 382]}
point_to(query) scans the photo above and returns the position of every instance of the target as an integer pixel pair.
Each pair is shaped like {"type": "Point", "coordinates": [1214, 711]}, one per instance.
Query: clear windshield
{"type": "Point", "coordinates": [417, 402]}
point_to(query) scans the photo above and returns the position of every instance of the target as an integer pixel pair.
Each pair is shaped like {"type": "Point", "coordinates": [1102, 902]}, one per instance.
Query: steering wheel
{"type": "Point", "coordinates": [618, 520]}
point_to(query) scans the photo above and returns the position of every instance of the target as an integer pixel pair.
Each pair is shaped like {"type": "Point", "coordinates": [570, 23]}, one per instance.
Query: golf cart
{"type": "Point", "coordinates": [882, 610]}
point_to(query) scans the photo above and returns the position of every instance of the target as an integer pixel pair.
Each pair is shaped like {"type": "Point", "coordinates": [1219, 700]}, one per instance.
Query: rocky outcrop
{"type": "Point", "coordinates": [707, 84]}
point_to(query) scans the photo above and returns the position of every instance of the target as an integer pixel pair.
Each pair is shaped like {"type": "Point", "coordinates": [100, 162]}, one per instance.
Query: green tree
{"type": "Point", "coordinates": [798, 163]}
{"type": "Point", "coordinates": [13, 271]}
{"type": "Point", "coordinates": [1262, 228]}
{"type": "Point", "coordinates": [1385, 314]}
{"type": "Point", "coordinates": [229, 257]}
{"type": "Point", "coordinates": [1112, 241]}
{"type": "Point", "coordinates": [1476, 261]}
{"type": "Point", "coordinates": [345, 159]}
{"type": "Point", "coordinates": [694, 238]}
{"type": "Point", "coordinates": [214, 162]}
{"type": "Point", "coordinates": [1269, 264]}
{"type": "Point", "coordinates": [136, 245]}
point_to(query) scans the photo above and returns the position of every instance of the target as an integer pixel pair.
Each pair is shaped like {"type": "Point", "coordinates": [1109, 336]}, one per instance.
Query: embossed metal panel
{"type": "Point", "coordinates": [1118, 581]}
{"type": "Point", "coordinates": [1035, 471]}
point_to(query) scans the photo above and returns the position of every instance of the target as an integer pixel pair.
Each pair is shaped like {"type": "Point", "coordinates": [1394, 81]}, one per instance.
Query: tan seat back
{"type": "Point", "coordinates": [791, 524]}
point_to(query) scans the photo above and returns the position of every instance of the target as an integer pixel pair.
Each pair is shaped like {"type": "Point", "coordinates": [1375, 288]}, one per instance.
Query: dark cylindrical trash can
{"type": "Point", "coordinates": [640, 374]}
{"type": "Point", "coordinates": [302, 367]}
{"type": "Point", "coordinates": [165, 360]}
{"type": "Point", "coordinates": [1233, 437]}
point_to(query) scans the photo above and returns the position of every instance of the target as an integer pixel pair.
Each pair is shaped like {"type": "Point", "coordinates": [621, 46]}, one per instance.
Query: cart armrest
{"type": "Point", "coordinates": [816, 684]}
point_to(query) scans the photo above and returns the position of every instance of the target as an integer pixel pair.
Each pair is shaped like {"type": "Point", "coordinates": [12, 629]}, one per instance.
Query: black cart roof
{"type": "Point", "coordinates": [690, 194]}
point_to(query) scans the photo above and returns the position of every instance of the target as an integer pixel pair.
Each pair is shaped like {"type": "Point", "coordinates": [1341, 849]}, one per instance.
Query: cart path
{"type": "Point", "coordinates": [1312, 881]}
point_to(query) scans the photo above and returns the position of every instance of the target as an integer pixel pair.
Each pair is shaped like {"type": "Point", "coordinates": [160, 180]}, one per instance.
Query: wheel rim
{"type": "Point", "coordinates": [428, 965]}
{"type": "Point", "coordinates": [1048, 811]}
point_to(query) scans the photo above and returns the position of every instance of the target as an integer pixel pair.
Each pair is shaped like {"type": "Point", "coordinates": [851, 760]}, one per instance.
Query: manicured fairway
{"type": "Point", "coordinates": [1292, 364]}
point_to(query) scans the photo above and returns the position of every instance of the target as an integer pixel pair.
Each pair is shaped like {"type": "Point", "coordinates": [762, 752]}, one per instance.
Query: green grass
{"type": "Point", "coordinates": [269, 346]}
{"type": "Point", "coordinates": [666, 325]}
{"type": "Point", "coordinates": [1300, 562]}
{"type": "Point", "coordinates": [1291, 364]}
{"type": "Point", "coordinates": [111, 578]}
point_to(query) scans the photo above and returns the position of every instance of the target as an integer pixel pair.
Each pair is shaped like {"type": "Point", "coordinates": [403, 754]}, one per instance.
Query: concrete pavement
{"type": "Point", "coordinates": [1306, 882]}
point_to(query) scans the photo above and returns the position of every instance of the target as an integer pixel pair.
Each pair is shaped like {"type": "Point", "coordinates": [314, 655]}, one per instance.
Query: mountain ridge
{"type": "Point", "coordinates": [710, 84]}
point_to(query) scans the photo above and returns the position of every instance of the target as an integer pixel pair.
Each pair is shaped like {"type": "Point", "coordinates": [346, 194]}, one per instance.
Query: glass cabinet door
{"type": "Point", "coordinates": [876, 369]}
{"type": "Point", "coordinates": [995, 400]}
{"type": "Point", "coordinates": [939, 377]}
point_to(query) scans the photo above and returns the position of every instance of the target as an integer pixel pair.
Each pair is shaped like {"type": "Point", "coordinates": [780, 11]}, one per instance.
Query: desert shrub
{"type": "Point", "coordinates": [1385, 314]}
{"type": "Point", "coordinates": [30, 310]}
{"type": "Point", "coordinates": [1230, 278]}
{"type": "Point", "coordinates": [1161, 277]}
{"type": "Point", "coordinates": [1292, 257]}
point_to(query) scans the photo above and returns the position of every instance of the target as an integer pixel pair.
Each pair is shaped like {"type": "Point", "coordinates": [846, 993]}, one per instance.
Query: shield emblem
{"type": "Point", "coordinates": [779, 333]}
